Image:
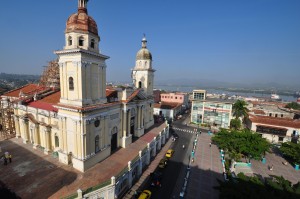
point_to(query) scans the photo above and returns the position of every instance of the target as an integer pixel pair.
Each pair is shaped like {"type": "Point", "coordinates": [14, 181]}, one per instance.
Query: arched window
{"type": "Point", "coordinates": [97, 148]}
{"type": "Point", "coordinates": [93, 43]}
{"type": "Point", "coordinates": [140, 84]}
{"type": "Point", "coordinates": [70, 41]}
{"type": "Point", "coordinates": [81, 41]}
{"type": "Point", "coordinates": [114, 130]}
{"type": "Point", "coordinates": [56, 141]}
{"type": "Point", "coordinates": [71, 84]}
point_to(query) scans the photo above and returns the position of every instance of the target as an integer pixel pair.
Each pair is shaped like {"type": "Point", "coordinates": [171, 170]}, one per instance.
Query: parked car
{"type": "Point", "coordinates": [146, 194]}
{"type": "Point", "coordinates": [169, 153]}
{"type": "Point", "coordinates": [163, 163]}
{"type": "Point", "coordinates": [156, 178]}
{"type": "Point", "coordinates": [175, 136]}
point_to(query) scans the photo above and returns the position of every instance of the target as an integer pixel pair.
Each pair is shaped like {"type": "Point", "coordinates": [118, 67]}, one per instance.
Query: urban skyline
{"type": "Point", "coordinates": [232, 41]}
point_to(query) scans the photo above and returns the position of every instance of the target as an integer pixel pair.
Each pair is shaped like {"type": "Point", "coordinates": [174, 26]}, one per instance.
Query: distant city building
{"type": "Point", "coordinates": [213, 112]}
{"type": "Point", "coordinates": [179, 98]}
{"type": "Point", "coordinates": [272, 109]}
{"type": "Point", "coordinates": [83, 121]}
{"type": "Point", "coordinates": [156, 95]}
{"type": "Point", "coordinates": [167, 110]}
{"type": "Point", "coordinates": [274, 129]}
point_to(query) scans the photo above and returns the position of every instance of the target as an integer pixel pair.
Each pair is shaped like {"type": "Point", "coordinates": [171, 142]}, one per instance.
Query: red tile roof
{"type": "Point", "coordinates": [258, 112]}
{"type": "Point", "coordinates": [284, 122]}
{"type": "Point", "coordinates": [110, 92]}
{"type": "Point", "coordinates": [47, 102]}
{"type": "Point", "coordinates": [166, 105]}
{"type": "Point", "coordinates": [27, 89]}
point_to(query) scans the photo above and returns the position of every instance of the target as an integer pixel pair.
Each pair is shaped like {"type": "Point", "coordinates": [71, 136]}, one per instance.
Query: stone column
{"type": "Point", "coordinates": [64, 124]}
{"type": "Point", "coordinates": [36, 136]}
{"type": "Point", "coordinates": [140, 167]}
{"type": "Point", "coordinates": [159, 141]}
{"type": "Point", "coordinates": [17, 125]}
{"type": "Point", "coordinates": [148, 154]}
{"type": "Point", "coordinates": [142, 117]}
{"type": "Point", "coordinates": [124, 123]}
{"type": "Point", "coordinates": [26, 130]}
{"type": "Point", "coordinates": [129, 174]}
{"type": "Point", "coordinates": [154, 149]}
{"type": "Point", "coordinates": [128, 122]}
{"type": "Point", "coordinates": [163, 139]}
{"type": "Point", "coordinates": [139, 116]}
{"type": "Point", "coordinates": [47, 140]}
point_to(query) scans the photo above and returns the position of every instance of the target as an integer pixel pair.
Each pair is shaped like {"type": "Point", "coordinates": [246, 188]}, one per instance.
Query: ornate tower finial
{"type": "Point", "coordinates": [82, 6]}
{"type": "Point", "coordinates": [144, 41]}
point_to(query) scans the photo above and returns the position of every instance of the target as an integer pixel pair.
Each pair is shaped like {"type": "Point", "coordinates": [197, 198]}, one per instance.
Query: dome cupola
{"type": "Point", "coordinates": [81, 21]}
{"type": "Point", "coordinates": [144, 53]}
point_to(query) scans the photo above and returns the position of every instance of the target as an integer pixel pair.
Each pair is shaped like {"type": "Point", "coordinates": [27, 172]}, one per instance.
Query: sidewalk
{"type": "Point", "coordinates": [205, 171]}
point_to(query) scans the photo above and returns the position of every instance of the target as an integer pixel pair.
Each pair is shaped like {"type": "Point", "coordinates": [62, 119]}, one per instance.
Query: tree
{"type": "Point", "coordinates": [242, 142]}
{"type": "Point", "coordinates": [240, 109]}
{"type": "Point", "coordinates": [246, 187]}
{"type": "Point", "coordinates": [235, 124]}
{"type": "Point", "coordinates": [293, 105]}
{"type": "Point", "coordinates": [291, 151]}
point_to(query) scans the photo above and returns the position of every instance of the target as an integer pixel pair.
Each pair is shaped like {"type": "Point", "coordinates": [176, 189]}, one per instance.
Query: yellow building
{"type": "Point", "coordinates": [84, 121]}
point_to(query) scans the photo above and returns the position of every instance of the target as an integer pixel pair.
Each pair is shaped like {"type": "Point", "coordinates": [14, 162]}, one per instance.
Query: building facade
{"type": "Point", "coordinates": [276, 130]}
{"type": "Point", "coordinates": [211, 112]}
{"type": "Point", "coordinates": [179, 98]}
{"type": "Point", "coordinates": [82, 122]}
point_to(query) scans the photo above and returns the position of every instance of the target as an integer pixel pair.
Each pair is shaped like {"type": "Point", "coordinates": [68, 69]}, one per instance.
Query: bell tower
{"type": "Point", "coordinates": [143, 73]}
{"type": "Point", "coordinates": [82, 67]}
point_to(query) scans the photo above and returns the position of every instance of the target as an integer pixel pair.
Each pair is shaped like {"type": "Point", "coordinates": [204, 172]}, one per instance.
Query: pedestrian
{"type": "Point", "coordinates": [5, 161]}
{"type": "Point", "coordinates": [210, 144]}
{"type": "Point", "coordinates": [9, 158]}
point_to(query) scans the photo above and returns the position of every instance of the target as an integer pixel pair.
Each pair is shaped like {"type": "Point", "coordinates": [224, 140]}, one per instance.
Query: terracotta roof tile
{"type": "Point", "coordinates": [166, 105]}
{"type": "Point", "coordinates": [29, 88]}
{"type": "Point", "coordinates": [258, 112]}
{"type": "Point", "coordinates": [284, 122]}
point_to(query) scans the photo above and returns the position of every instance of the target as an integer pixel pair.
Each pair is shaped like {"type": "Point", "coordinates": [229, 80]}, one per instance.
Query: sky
{"type": "Point", "coordinates": [237, 41]}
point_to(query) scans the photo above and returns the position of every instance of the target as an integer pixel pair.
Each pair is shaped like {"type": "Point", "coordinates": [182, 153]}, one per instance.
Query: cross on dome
{"type": "Point", "coordinates": [82, 5]}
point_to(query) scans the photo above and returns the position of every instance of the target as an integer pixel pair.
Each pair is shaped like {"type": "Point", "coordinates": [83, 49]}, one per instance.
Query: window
{"type": "Point", "coordinates": [140, 84]}
{"type": "Point", "coordinates": [70, 41]}
{"type": "Point", "coordinates": [97, 148]}
{"type": "Point", "coordinates": [71, 84]}
{"type": "Point", "coordinates": [180, 97]}
{"type": "Point", "coordinates": [81, 41]}
{"type": "Point", "coordinates": [281, 115]}
{"type": "Point", "coordinates": [198, 96]}
{"type": "Point", "coordinates": [56, 141]}
{"type": "Point", "coordinates": [276, 115]}
{"type": "Point", "coordinates": [280, 139]}
{"type": "Point", "coordinates": [270, 114]}
{"type": "Point", "coordinates": [175, 97]}
{"type": "Point", "coordinates": [97, 123]}
{"type": "Point", "coordinates": [93, 43]}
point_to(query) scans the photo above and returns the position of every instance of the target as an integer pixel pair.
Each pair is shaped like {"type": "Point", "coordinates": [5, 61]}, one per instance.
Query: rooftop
{"type": "Point", "coordinates": [275, 121]}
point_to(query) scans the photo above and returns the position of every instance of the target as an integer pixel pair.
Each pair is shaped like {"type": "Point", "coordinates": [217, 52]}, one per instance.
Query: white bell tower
{"type": "Point", "coordinates": [143, 73]}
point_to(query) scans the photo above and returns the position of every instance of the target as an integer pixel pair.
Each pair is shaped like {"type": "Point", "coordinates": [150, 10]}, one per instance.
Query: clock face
{"type": "Point", "coordinates": [97, 123]}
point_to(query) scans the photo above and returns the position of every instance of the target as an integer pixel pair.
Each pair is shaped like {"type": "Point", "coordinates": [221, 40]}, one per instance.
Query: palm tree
{"type": "Point", "coordinates": [240, 109]}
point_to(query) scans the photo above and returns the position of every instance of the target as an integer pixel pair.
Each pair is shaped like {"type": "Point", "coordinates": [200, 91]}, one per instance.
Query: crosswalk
{"type": "Point", "coordinates": [185, 130]}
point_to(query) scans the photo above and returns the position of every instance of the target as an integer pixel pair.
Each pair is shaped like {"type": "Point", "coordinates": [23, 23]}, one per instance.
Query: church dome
{"type": "Point", "coordinates": [144, 53]}
{"type": "Point", "coordinates": [81, 21]}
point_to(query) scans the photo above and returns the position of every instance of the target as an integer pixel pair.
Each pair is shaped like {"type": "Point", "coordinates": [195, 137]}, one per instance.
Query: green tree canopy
{"type": "Point", "coordinates": [240, 109]}
{"type": "Point", "coordinates": [292, 151]}
{"type": "Point", "coordinates": [293, 105]}
{"type": "Point", "coordinates": [235, 124]}
{"type": "Point", "coordinates": [243, 142]}
{"type": "Point", "coordinates": [245, 187]}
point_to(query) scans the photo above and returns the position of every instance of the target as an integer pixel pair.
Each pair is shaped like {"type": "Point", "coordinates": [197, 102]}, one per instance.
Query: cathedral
{"type": "Point", "coordinates": [84, 121]}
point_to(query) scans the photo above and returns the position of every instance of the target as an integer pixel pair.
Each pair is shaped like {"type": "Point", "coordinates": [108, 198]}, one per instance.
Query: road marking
{"type": "Point", "coordinates": [185, 130]}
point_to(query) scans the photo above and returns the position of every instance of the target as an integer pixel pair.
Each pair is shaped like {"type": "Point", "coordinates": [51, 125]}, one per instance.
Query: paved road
{"type": "Point", "coordinates": [173, 172]}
